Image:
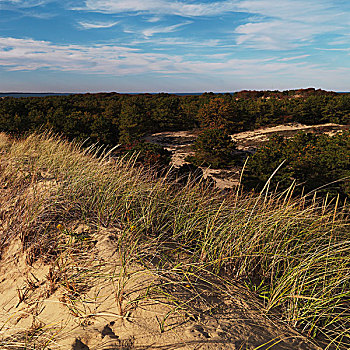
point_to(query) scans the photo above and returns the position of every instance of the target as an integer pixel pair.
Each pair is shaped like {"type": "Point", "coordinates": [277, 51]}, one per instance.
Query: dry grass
{"type": "Point", "coordinates": [293, 253]}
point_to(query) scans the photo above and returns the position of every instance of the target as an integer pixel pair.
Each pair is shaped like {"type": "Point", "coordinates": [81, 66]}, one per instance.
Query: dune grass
{"type": "Point", "coordinates": [292, 252]}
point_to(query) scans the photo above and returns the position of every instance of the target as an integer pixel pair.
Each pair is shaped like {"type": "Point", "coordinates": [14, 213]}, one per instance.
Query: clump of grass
{"type": "Point", "coordinates": [5, 141]}
{"type": "Point", "coordinates": [294, 253]}
{"type": "Point", "coordinates": [37, 337]}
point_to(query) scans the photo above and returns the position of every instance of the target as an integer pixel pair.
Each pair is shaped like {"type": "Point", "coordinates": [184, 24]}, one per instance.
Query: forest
{"type": "Point", "coordinates": [312, 162]}
{"type": "Point", "coordinates": [112, 119]}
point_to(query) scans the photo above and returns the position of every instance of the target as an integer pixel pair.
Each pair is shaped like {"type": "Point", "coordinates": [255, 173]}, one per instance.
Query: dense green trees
{"type": "Point", "coordinates": [214, 148]}
{"type": "Point", "coordinates": [216, 114]}
{"type": "Point", "coordinates": [110, 118]}
{"type": "Point", "coordinates": [311, 161]}
{"type": "Point", "coordinates": [114, 118]}
{"type": "Point", "coordinates": [131, 120]}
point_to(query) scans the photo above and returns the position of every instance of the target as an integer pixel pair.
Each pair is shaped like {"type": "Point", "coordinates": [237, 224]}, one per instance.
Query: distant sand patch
{"type": "Point", "coordinates": [180, 142]}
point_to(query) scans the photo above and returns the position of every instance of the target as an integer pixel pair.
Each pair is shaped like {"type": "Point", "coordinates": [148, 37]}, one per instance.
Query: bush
{"type": "Point", "coordinates": [216, 114]}
{"type": "Point", "coordinates": [312, 161]}
{"type": "Point", "coordinates": [148, 154]}
{"type": "Point", "coordinates": [214, 148]}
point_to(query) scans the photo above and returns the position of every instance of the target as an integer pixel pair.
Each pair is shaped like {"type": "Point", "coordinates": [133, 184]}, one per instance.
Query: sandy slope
{"type": "Point", "coordinates": [88, 297]}
{"type": "Point", "coordinates": [256, 137]}
{"type": "Point", "coordinates": [31, 308]}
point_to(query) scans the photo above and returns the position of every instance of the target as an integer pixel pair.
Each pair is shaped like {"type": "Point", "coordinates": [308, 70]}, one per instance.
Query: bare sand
{"type": "Point", "coordinates": [34, 305]}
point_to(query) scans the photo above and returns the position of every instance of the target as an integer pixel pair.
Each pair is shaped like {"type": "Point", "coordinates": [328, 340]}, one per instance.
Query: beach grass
{"type": "Point", "coordinates": [292, 252]}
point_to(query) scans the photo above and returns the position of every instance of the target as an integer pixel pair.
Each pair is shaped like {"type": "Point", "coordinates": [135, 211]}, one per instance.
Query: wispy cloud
{"type": "Point", "coordinates": [165, 7]}
{"type": "Point", "coordinates": [177, 42]}
{"type": "Point", "coordinates": [298, 10]}
{"type": "Point", "coordinates": [334, 49]}
{"type": "Point", "coordinates": [274, 35]}
{"type": "Point", "coordinates": [311, 11]}
{"type": "Point", "coordinates": [286, 59]}
{"type": "Point", "coordinates": [288, 24]}
{"type": "Point", "coordinates": [285, 24]}
{"type": "Point", "coordinates": [97, 25]}
{"type": "Point", "coordinates": [28, 54]}
{"type": "Point", "coordinates": [25, 3]}
{"type": "Point", "coordinates": [154, 19]}
{"type": "Point", "coordinates": [148, 32]}
{"type": "Point", "coordinates": [27, 8]}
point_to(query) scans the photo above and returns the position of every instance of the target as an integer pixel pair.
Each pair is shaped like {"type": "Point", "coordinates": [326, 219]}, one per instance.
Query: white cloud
{"type": "Point", "coordinates": [28, 54]}
{"type": "Point", "coordinates": [164, 7]}
{"type": "Point", "coordinates": [148, 32]}
{"type": "Point", "coordinates": [28, 8]}
{"type": "Point", "coordinates": [97, 25]}
{"type": "Point", "coordinates": [334, 49]}
{"type": "Point", "coordinates": [274, 35]}
{"type": "Point", "coordinates": [298, 10]}
{"type": "Point", "coordinates": [288, 24]}
{"type": "Point", "coordinates": [118, 61]}
{"type": "Point", "coordinates": [311, 11]}
{"type": "Point", "coordinates": [173, 42]}
{"type": "Point", "coordinates": [26, 3]}
{"type": "Point", "coordinates": [286, 59]}
{"type": "Point", "coordinates": [154, 19]}
{"type": "Point", "coordinates": [283, 24]}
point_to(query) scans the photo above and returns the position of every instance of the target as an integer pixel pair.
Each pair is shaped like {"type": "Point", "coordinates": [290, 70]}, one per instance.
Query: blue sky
{"type": "Point", "coordinates": [173, 46]}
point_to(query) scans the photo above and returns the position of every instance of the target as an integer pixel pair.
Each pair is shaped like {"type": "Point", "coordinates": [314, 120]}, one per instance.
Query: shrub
{"type": "Point", "coordinates": [148, 154]}
{"type": "Point", "coordinates": [214, 148]}
{"type": "Point", "coordinates": [312, 161]}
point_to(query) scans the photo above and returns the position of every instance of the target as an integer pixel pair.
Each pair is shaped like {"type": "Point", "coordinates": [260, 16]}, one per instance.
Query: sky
{"type": "Point", "coordinates": [173, 45]}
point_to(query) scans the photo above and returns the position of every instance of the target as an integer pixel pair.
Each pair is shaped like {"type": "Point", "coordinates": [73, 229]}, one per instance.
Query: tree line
{"type": "Point", "coordinates": [109, 118]}
{"type": "Point", "coordinates": [112, 118]}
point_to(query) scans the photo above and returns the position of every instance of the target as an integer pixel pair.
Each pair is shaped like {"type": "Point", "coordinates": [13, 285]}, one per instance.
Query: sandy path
{"type": "Point", "coordinates": [255, 138]}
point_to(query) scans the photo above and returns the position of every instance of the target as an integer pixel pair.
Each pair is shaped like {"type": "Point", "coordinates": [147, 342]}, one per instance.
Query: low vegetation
{"type": "Point", "coordinates": [313, 162]}
{"type": "Point", "coordinates": [214, 148]}
{"type": "Point", "coordinates": [292, 253]}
